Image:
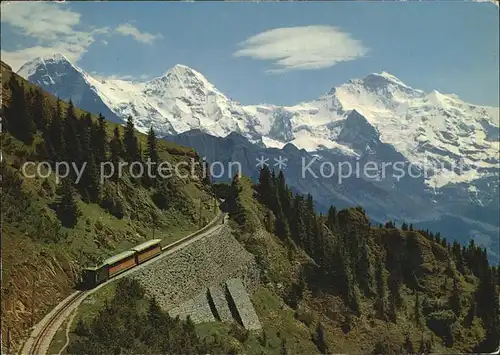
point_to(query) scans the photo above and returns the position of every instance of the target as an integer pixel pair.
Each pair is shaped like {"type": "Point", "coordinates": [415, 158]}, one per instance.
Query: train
{"type": "Point", "coordinates": [117, 264]}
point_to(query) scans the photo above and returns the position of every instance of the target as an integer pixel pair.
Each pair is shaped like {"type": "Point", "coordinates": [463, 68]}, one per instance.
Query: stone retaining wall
{"type": "Point", "coordinates": [189, 272]}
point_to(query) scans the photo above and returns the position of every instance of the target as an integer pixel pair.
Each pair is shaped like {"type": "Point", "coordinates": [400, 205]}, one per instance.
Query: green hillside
{"type": "Point", "coordinates": [50, 231]}
{"type": "Point", "coordinates": [349, 287]}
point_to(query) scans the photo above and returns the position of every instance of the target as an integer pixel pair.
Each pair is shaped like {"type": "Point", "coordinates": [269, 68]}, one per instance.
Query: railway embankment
{"type": "Point", "coordinates": [180, 281]}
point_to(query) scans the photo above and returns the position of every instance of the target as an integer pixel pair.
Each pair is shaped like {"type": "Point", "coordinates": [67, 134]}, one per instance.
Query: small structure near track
{"type": "Point", "coordinates": [227, 303]}
{"type": "Point", "coordinates": [192, 281]}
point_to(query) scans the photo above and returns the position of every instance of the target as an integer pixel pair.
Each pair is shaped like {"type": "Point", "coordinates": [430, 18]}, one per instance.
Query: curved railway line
{"type": "Point", "coordinates": [39, 341]}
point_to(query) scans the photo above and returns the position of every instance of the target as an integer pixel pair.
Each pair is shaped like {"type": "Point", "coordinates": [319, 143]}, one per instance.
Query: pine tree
{"type": "Point", "coordinates": [81, 329]}
{"type": "Point", "coordinates": [132, 150]}
{"type": "Point", "coordinates": [394, 285]}
{"type": "Point", "coordinates": [155, 315]}
{"type": "Point", "coordinates": [56, 134]}
{"type": "Point", "coordinates": [281, 207]}
{"type": "Point", "coordinates": [265, 186]}
{"type": "Point", "coordinates": [319, 339]}
{"type": "Point", "coordinates": [130, 142]}
{"type": "Point", "coordinates": [19, 122]}
{"type": "Point", "coordinates": [152, 155]}
{"type": "Point", "coordinates": [39, 110]}
{"type": "Point", "coordinates": [281, 226]}
{"type": "Point", "coordinates": [488, 309]}
{"type": "Point", "coordinates": [68, 211]}
{"type": "Point", "coordinates": [70, 131]}
{"type": "Point", "coordinates": [284, 195]}
{"type": "Point", "coordinates": [116, 152]}
{"type": "Point", "coordinates": [332, 218]}
{"type": "Point", "coordinates": [297, 224]}
{"type": "Point", "coordinates": [417, 312]}
{"type": "Point", "coordinates": [380, 279]}
{"type": "Point", "coordinates": [90, 184]}
{"type": "Point", "coordinates": [422, 346]}
{"type": "Point", "coordinates": [455, 300]}
{"type": "Point", "coordinates": [347, 282]}
{"type": "Point", "coordinates": [100, 139]}
{"type": "Point", "coordinates": [364, 269]}
{"type": "Point", "coordinates": [284, 351]}
{"type": "Point", "coordinates": [408, 345]}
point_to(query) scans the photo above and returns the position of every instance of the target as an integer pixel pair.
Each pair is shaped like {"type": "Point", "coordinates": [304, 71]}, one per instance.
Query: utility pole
{"type": "Point", "coordinates": [200, 222]}
{"type": "Point", "coordinates": [8, 339]}
{"type": "Point", "coordinates": [33, 289]}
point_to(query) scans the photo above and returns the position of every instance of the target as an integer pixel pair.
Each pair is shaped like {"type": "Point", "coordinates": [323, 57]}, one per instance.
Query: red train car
{"type": "Point", "coordinates": [147, 250]}
{"type": "Point", "coordinates": [120, 263]}
{"type": "Point", "coordinates": [92, 276]}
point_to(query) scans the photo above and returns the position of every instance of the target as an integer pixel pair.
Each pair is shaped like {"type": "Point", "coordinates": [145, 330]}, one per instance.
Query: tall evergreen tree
{"type": "Point", "coordinates": [284, 351]}
{"type": "Point", "coordinates": [116, 152]}
{"type": "Point", "coordinates": [56, 134]}
{"type": "Point", "coordinates": [73, 147]}
{"type": "Point", "coordinates": [152, 155]}
{"type": "Point", "coordinates": [132, 149]}
{"type": "Point", "coordinates": [380, 279]}
{"type": "Point", "coordinates": [265, 187]}
{"type": "Point", "coordinates": [19, 122]}
{"type": "Point", "coordinates": [332, 218]}
{"type": "Point", "coordinates": [408, 345]}
{"type": "Point", "coordinates": [100, 139]}
{"type": "Point", "coordinates": [130, 143]}
{"type": "Point", "coordinates": [67, 207]}
{"type": "Point", "coordinates": [90, 184]}
{"type": "Point", "coordinates": [297, 224]}
{"type": "Point", "coordinates": [455, 300]}
{"type": "Point", "coordinates": [394, 285]}
{"type": "Point", "coordinates": [486, 298]}
{"type": "Point", "coordinates": [319, 339]}
{"type": "Point", "coordinates": [152, 151]}
{"type": "Point", "coordinates": [417, 311]}
{"type": "Point", "coordinates": [39, 110]}
{"type": "Point", "coordinates": [282, 207]}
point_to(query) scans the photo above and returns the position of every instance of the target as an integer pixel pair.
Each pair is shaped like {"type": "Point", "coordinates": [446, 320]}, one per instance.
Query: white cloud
{"type": "Point", "coordinates": [143, 37]}
{"type": "Point", "coordinates": [41, 20]}
{"type": "Point", "coordinates": [52, 25]}
{"type": "Point", "coordinates": [302, 48]}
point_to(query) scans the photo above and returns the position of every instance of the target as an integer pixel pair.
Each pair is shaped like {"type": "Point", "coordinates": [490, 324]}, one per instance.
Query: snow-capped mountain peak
{"type": "Point", "coordinates": [180, 81]}
{"type": "Point", "coordinates": [426, 128]}
{"type": "Point", "coordinates": [48, 63]}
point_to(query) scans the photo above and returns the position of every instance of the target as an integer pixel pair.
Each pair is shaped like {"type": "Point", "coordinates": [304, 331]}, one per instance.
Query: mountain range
{"type": "Point", "coordinates": [377, 118]}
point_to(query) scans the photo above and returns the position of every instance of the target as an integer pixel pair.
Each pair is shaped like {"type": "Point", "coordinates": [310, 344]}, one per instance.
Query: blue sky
{"type": "Point", "coordinates": [448, 46]}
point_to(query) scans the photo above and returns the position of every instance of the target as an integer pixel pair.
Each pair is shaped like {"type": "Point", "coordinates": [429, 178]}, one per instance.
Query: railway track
{"type": "Point", "coordinates": [41, 337]}
{"type": "Point", "coordinates": [43, 333]}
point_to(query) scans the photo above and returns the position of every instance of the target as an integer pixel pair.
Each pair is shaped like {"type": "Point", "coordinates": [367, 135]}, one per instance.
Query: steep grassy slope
{"type": "Point", "coordinates": [41, 259]}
